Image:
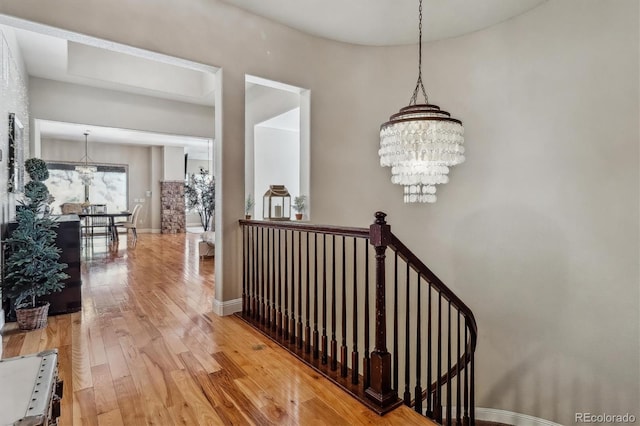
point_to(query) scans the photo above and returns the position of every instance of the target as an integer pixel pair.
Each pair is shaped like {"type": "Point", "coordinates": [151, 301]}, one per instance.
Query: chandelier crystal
{"type": "Point", "coordinates": [85, 171]}
{"type": "Point", "coordinates": [420, 143]}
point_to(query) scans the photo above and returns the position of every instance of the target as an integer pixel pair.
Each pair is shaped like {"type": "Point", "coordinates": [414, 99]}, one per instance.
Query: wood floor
{"type": "Point", "coordinates": [147, 350]}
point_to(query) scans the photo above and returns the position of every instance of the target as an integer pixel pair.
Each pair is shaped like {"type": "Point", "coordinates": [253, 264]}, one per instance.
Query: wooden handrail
{"type": "Point", "coordinates": [277, 264]}
{"type": "Point", "coordinates": [308, 227]}
{"type": "Point", "coordinates": [418, 266]}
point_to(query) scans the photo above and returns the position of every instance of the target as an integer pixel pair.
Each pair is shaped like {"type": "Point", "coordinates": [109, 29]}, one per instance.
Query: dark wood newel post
{"type": "Point", "coordinates": [380, 388]}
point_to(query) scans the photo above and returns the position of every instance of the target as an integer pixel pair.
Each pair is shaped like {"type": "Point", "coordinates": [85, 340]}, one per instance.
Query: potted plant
{"type": "Point", "coordinates": [299, 205]}
{"type": "Point", "coordinates": [32, 267]}
{"type": "Point", "coordinates": [200, 194]}
{"type": "Point", "coordinates": [248, 207]}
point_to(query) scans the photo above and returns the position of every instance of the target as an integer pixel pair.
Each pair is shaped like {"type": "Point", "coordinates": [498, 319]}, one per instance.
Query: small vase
{"type": "Point", "coordinates": [298, 216]}
{"type": "Point", "coordinates": [247, 216]}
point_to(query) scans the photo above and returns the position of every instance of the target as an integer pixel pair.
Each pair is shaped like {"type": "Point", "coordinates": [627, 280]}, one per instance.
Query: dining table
{"type": "Point", "coordinates": [110, 216]}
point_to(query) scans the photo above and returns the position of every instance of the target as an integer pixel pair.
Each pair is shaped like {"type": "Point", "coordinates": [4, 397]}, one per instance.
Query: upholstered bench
{"type": "Point", "coordinates": [207, 244]}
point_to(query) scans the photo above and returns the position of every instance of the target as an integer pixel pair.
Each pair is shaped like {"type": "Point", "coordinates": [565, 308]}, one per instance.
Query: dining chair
{"type": "Point", "coordinates": [98, 222]}
{"type": "Point", "coordinates": [132, 222]}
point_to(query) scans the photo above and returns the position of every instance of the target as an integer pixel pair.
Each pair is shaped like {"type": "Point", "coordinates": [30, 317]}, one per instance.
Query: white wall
{"type": "Point", "coordinates": [173, 163]}
{"type": "Point", "coordinates": [277, 162]}
{"type": "Point", "coordinates": [261, 103]}
{"type": "Point", "coordinates": [537, 231]}
{"type": "Point", "coordinates": [13, 99]}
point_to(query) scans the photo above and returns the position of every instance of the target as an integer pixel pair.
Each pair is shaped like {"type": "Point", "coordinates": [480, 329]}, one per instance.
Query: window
{"type": "Point", "coordinates": [109, 186]}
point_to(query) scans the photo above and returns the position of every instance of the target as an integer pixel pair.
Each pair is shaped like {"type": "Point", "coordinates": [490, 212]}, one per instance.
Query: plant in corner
{"type": "Point", "coordinates": [200, 194]}
{"type": "Point", "coordinates": [32, 266]}
{"type": "Point", "coordinates": [248, 207]}
{"type": "Point", "coordinates": [299, 205]}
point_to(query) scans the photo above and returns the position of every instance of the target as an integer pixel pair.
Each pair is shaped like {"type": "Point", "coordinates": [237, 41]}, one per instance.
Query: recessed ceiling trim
{"type": "Point", "coordinates": [104, 44]}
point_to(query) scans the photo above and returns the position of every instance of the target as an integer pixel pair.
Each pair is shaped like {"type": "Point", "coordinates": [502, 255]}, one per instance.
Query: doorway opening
{"type": "Point", "coordinates": [277, 143]}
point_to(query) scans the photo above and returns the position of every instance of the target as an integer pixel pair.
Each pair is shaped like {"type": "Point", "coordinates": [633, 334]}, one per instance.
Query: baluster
{"type": "Point", "coordinates": [407, 346]}
{"type": "Point", "coordinates": [307, 328]}
{"type": "Point", "coordinates": [395, 321]}
{"type": "Point", "coordinates": [316, 349]}
{"type": "Point", "coordinates": [354, 318]}
{"type": "Point", "coordinates": [292, 323]}
{"type": "Point", "coordinates": [466, 376]}
{"type": "Point", "coordinates": [274, 322]}
{"type": "Point", "coordinates": [449, 365]}
{"type": "Point", "coordinates": [472, 396]}
{"type": "Point", "coordinates": [334, 343]}
{"type": "Point", "coordinates": [279, 317]}
{"type": "Point", "coordinates": [324, 300]}
{"type": "Point", "coordinates": [418, 390]}
{"type": "Point", "coordinates": [267, 312]}
{"type": "Point", "coordinates": [262, 294]}
{"type": "Point", "coordinates": [299, 325]}
{"type": "Point", "coordinates": [254, 284]}
{"type": "Point", "coordinates": [437, 406]}
{"type": "Point", "coordinates": [245, 268]}
{"type": "Point", "coordinates": [458, 401]}
{"type": "Point", "coordinates": [343, 347]}
{"type": "Point", "coordinates": [429, 412]}
{"type": "Point", "coordinates": [367, 360]}
{"type": "Point", "coordinates": [285, 325]}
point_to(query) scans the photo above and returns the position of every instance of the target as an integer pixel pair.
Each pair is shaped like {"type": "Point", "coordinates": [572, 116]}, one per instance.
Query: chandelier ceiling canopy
{"type": "Point", "coordinates": [421, 142]}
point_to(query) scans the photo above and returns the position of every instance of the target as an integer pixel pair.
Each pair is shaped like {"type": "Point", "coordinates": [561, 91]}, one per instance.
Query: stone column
{"type": "Point", "coordinates": [172, 206]}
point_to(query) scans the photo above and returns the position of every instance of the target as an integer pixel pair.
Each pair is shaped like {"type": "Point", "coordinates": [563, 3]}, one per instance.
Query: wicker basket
{"type": "Point", "coordinates": [32, 318]}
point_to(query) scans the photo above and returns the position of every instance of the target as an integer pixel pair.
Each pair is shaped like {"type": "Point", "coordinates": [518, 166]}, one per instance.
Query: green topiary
{"type": "Point", "coordinates": [32, 268]}
{"type": "Point", "coordinates": [36, 169]}
{"type": "Point", "coordinates": [36, 191]}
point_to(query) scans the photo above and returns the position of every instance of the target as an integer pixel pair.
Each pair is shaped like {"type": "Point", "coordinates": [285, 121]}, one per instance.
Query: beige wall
{"type": "Point", "coordinates": [537, 231]}
{"type": "Point", "coordinates": [136, 158]}
{"type": "Point", "coordinates": [73, 103]}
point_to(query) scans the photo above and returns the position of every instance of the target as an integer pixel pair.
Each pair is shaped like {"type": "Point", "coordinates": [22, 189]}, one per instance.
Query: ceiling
{"type": "Point", "coordinates": [54, 58]}
{"type": "Point", "coordinates": [366, 22]}
{"type": "Point", "coordinates": [386, 22]}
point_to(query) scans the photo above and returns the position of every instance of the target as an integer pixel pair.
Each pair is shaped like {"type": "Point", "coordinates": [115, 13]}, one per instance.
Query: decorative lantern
{"type": "Point", "coordinates": [276, 203]}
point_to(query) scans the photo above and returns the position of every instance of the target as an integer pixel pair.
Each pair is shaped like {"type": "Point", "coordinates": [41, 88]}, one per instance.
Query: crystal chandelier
{"type": "Point", "coordinates": [420, 143]}
{"type": "Point", "coordinates": [85, 171]}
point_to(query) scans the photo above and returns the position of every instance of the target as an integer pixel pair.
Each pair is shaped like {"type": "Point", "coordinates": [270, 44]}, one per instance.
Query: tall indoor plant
{"type": "Point", "coordinates": [200, 194]}
{"type": "Point", "coordinates": [32, 266]}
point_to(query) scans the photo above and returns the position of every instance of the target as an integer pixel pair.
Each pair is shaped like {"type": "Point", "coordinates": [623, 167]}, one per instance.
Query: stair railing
{"type": "Point", "coordinates": [323, 295]}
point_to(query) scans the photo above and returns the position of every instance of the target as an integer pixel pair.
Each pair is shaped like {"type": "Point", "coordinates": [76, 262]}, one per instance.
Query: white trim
{"type": "Point", "coordinates": [227, 308]}
{"type": "Point", "coordinates": [1, 325]}
{"type": "Point", "coordinates": [510, 418]}
{"type": "Point", "coordinates": [104, 44]}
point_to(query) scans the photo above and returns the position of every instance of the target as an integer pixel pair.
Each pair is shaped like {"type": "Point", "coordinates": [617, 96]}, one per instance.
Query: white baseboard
{"type": "Point", "coordinates": [227, 308]}
{"type": "Point", "coordinates": [510, 418]}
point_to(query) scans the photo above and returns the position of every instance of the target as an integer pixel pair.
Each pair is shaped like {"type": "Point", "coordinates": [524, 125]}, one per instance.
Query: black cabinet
{"type": "Point", "coordinates": [68, 240]}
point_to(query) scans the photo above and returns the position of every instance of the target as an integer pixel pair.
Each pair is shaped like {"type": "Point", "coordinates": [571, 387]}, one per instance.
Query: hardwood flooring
{"type": "Point", "coordinates": [146, 350]}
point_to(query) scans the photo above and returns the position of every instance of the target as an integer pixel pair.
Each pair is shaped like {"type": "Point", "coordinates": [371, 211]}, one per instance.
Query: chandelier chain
{"type": "Point", "coordinates": [419, 84]}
